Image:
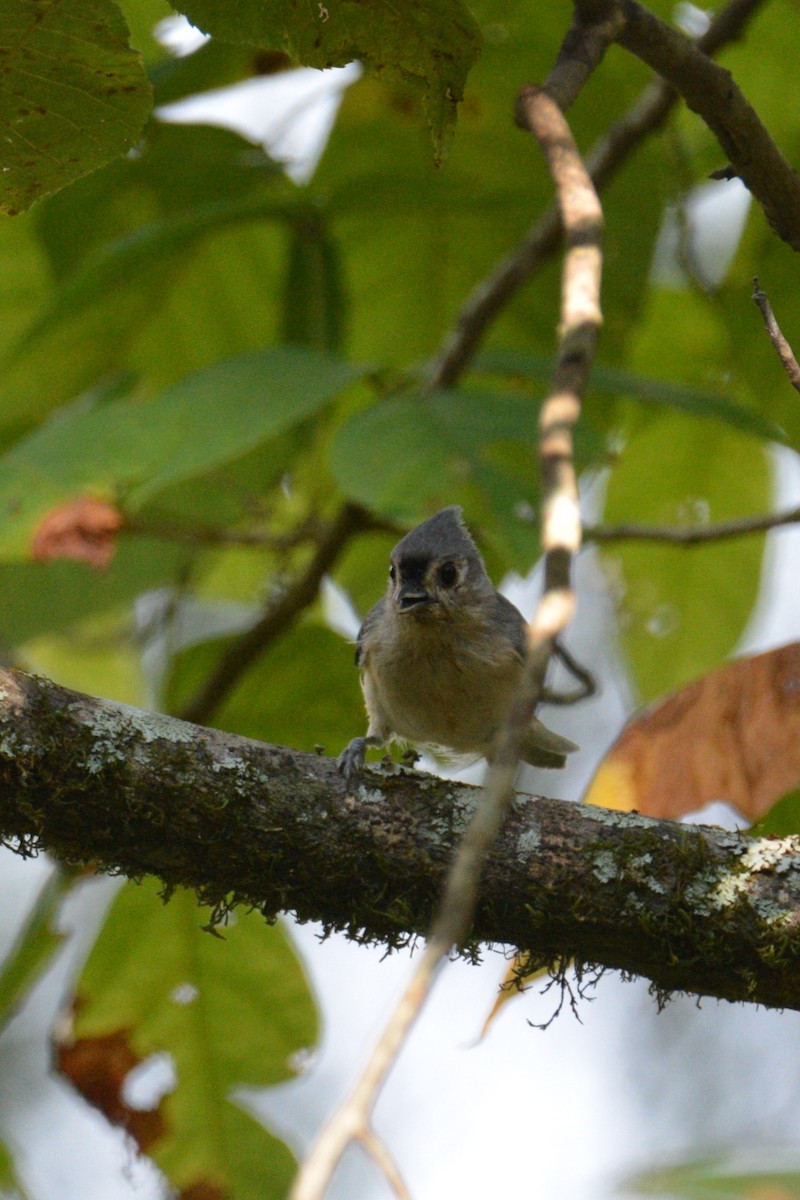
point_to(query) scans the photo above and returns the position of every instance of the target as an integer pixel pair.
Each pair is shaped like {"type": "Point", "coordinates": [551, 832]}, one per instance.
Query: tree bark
{"type": "Point", "coordinates": [693, 909]}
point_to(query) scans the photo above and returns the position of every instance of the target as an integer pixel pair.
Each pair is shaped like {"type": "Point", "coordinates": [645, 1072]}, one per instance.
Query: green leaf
{"type": "Point", "coordinates": [160, 263]}
{"type": "Point", "coordinates": [34, 945]}
{"type": "Point", "coordinates": [407, 456]}
{"type": "Point", "coordinates": [415, 242]}
{"type": "Point", "coordinates": [314, 294]}
{"type": "Point", "coordinates": [711, 1179]}
{"type": "Point", "coordinates": [42, 598]}
{"type": "Point", "coordinates": [74, 94]}
{"type": "Point", "coordinates": [782, 819]}
{"type": "Point", "coordinates": [143, 16]}
{"type": "Point", "coordinates": [230, 1012]}
{"type": "Point", "coordinates": [9, 1180]}
{"type": "Point", "coordinates": [682, 611]}
{"type": "Point", "coordinates": [141, 447]}
{"type": "Point", "coordinates": [280, 700]}
{"type": "Point", "coordinates": [432, 43]}
{"type": "Point", "coordinates": [612, 381]}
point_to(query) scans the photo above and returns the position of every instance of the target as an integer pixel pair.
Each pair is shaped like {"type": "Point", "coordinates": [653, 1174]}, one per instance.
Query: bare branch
{"type": "Point", "coordinates": [97, 783]}
{"type": "Point", "coordinates": [690, 535]}
{"type": "Point", "coordinates": [711, 91]}
{"type": "Point", "coordinates": [782, 347]}
{"type": "Point", "coordinates": [581, 53]}
{"type": "Point", "coordinates": [603, 161]}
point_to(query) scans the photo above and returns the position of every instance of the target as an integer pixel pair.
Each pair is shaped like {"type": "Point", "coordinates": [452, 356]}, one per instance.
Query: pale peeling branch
{"type": "Point", "coordinates": [580, 323]}
{"type": "Point", "coordinates": [98, 783]}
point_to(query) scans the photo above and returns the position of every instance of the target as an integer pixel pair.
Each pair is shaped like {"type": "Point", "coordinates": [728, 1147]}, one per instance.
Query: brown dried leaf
{"type": "Point", "coordinates": [732, 736]}
{"type": "Point", "coordinates": [98, 1068]}
{"type": "Point", "coordinates": [83, 529]}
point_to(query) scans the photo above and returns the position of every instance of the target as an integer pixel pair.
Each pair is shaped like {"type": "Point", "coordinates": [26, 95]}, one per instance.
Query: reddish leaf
{"type": "Point", "coordinates": [733, 736]}
{"type": "Point", "coordinates": [98, 1068]}
{"type": "Point", "coordinates": [83, 529]}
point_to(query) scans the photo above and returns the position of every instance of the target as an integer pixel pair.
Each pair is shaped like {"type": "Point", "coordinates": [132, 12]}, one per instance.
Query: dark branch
{"type": "Point", "coordinates": [711, 92]}
{"type": "Point", "coordinates": [690, 535]}
{"type": "Point", "coordinates": [692, 909]}
{"type": "Point", "coordinates": [581, 53]}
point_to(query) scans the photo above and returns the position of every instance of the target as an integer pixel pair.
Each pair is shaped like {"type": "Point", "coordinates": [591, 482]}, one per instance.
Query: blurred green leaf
{"type": "Point", "coordinates": [314, 294]}
{"type": "Point", "coordinates": [9, 1180]}
{"type": "Point", "coordinates": [431, 43]}
{"type": "Point", "coordinates": [143, 17]}
{"type": "Point", "coordinates": [138, 448]}
{"type": "Point", "coordinates": [710, 1179]}
{"type": "Point", "coordinates": [34, 945]}
{"type": "Point", "coordinates": [782, 820]}
{"type": "Point", "coordinates": [74, 94]}
{"type": "Point", "coordinates": [415, 241]}
{"type": "Point", "coordinates": [160, 263]}
{"type": "Point", "coordinates": [43, 598]}
{"type": "Point", "coordinates": [612, 381]}
{"type": "Point", "coordinates": [280, 700]}
{"type": "Point", "coordinates": [157, 982]}
{"type": "Point", "coordinates": [682, 611]}
{"type": "Point", "coordinates": [409, 455]}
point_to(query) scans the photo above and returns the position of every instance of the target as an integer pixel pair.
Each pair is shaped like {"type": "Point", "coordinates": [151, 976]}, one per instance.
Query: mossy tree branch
{"type": "Point", "coordinates": [692, 909]}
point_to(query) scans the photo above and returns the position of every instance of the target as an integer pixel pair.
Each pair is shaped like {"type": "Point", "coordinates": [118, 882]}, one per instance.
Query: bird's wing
{"type": "Point", "coordinates": [511, 622]}
{"type": "Point", "coordinates": [368, 624]}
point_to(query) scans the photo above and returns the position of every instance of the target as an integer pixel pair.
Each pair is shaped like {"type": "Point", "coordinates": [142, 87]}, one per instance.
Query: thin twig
{"type": "Point", "coordinates": [377, 1149]}
{"type": "Point", "coordinates": [690, 535]}
{"type": "Point", "coordinates": [782, 347]}
{"type": "Point", "coordinates": [561, 537]}
{"type": "Point", "coordinates": [173, 529]}
{"type": "Point", "coordinates": [587, 685]}
{"type": "Point", "coordinates": [604, 160]}
{"type": "Point", "coordinates": [280, 615]}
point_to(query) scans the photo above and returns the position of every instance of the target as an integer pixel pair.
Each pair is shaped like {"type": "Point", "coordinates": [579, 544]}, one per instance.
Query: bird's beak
{"type": "Point", "coordinates": [409, 595]}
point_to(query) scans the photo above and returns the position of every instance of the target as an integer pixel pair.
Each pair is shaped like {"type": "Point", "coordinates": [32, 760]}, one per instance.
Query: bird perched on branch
{"type": "Point", "coordinates": [441, 654]}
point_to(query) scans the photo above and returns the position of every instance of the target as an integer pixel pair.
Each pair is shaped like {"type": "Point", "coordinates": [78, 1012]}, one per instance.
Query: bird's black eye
{"type": "Point", "coordinates": [448, 574]}
{"type": "Point", "coordinates": [392, 573]}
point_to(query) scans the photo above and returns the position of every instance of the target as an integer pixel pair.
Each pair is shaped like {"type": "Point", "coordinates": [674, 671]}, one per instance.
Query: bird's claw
{"type": "Point", "coordinates": [352, 758]}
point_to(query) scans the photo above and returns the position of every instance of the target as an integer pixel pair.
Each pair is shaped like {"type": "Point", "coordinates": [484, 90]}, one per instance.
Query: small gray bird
{"type": "Point", "coordinates": [441, 653]}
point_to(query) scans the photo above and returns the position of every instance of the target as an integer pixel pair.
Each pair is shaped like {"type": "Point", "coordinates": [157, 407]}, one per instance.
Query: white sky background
{"type": "Point", "coordinates": [565, 1113]}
